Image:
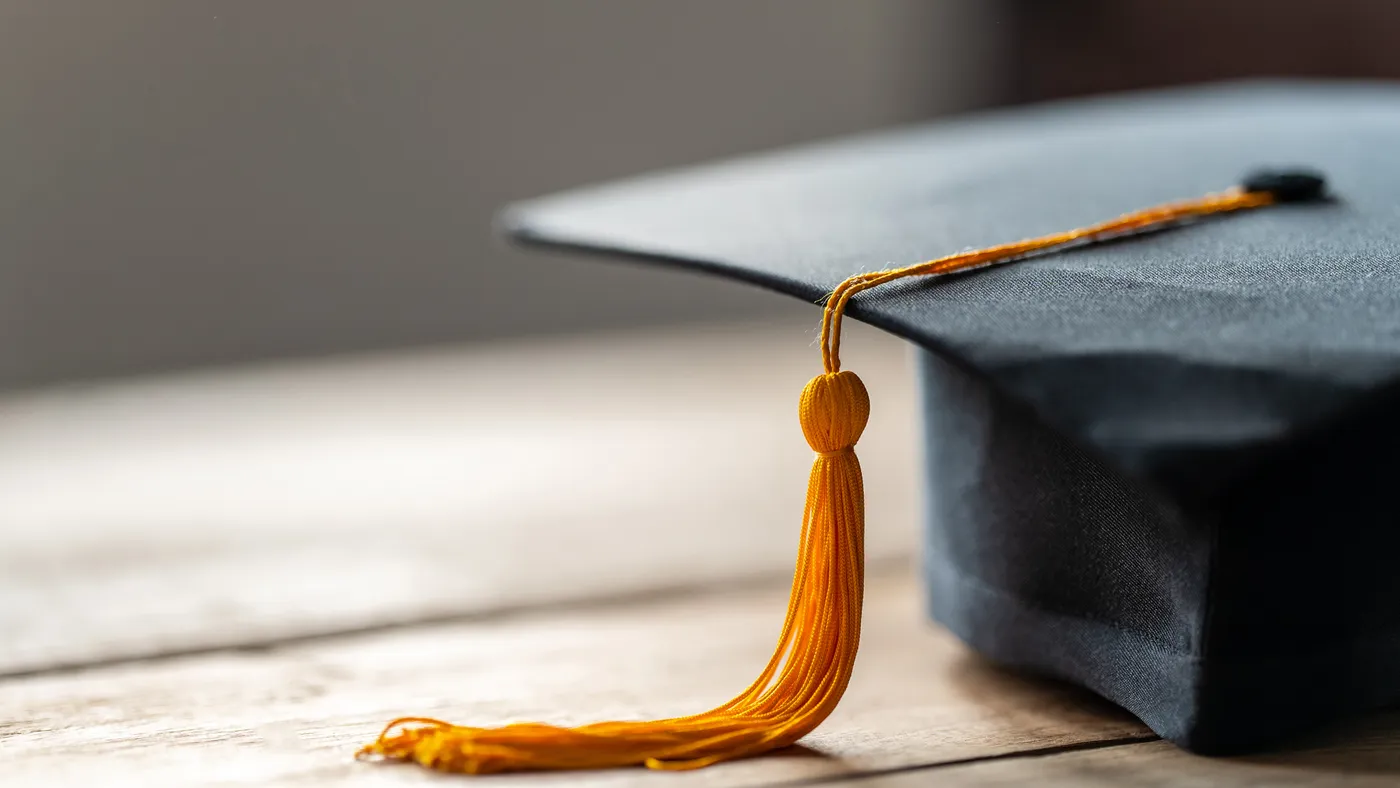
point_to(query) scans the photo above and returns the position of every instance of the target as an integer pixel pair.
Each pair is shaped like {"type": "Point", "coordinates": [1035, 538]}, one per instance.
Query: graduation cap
{"type": "Point", "coordinates": [1161, 460]}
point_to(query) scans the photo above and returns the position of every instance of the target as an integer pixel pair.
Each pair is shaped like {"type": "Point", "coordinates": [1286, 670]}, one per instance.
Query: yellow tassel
{"type": "Point", "coordinates": [816, 651]}
{"type": "Point", "coordinates": [801, 685]}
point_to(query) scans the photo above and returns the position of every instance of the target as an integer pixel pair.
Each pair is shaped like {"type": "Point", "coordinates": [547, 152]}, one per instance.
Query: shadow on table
{"type": "Point", "coordinates": [1018, 695]}
{"type": "Point", "coordinates": [1364, 746]}
{"type": "Point", "coordinates": [1370, 745]}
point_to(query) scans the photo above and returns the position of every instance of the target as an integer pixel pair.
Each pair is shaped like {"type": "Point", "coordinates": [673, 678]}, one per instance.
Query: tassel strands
{"type": "Point", "coordinates": [798, 689]}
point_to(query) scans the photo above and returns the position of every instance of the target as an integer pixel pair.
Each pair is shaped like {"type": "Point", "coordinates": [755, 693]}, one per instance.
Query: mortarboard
{"type": "Point", "coordinates": [1159, 464]}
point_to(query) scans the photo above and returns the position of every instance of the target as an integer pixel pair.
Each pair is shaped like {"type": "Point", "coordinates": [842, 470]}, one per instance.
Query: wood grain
{"type": "Point", "coordinates": [1364, 754]}
{"type": "Point", "coordinates": [178, 514]}
{"type": "Point", "coordinates": [291, 716]}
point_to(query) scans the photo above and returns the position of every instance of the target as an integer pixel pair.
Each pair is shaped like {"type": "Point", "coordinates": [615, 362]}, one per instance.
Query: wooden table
{"type": "Point", "coordinates": [235, 578]}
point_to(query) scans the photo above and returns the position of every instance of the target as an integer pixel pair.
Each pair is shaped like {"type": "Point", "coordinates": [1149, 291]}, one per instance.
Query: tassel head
{"type": "Point", "coordinates": [834, 410]}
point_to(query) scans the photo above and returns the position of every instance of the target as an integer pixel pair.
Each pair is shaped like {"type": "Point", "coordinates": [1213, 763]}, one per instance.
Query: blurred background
{"type": "Point", "coordinates": [195, 182]}
{"type": "Point", "coordinates": [192, 182]}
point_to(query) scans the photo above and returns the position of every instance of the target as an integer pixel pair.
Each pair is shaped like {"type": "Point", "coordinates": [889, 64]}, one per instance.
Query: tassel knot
{"type": "Point", "coordinates": [834, 410]}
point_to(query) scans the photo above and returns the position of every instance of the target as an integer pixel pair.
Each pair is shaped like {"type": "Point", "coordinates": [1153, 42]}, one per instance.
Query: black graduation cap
{"type": "Point", "coordinates": [1163, 467]}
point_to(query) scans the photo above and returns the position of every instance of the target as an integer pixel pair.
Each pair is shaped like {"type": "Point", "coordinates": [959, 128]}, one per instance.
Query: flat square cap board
{"type": "Point", "coordinates": [1163, 467]}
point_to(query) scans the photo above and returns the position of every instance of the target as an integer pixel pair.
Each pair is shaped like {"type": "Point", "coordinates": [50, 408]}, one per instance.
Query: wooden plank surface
{"type": "Point", "coordinates": [1361, 754]}
{"type": "Point", "coordinates": [200, 511]}
{"type": "Point", "coordinates": [291, 716]}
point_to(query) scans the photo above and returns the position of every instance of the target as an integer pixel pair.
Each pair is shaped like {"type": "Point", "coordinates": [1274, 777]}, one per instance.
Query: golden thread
{"type": "Point", "coordinates": [1147, 219]}
{"type": "Point", "coordinates": [816, 651]}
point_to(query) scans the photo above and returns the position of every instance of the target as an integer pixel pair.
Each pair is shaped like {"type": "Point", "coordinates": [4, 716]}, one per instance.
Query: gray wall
{"type": "Point", "coordinates": [198, 181]}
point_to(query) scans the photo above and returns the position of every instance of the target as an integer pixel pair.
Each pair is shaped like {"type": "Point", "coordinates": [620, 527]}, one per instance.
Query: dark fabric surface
{"type": "Point", "coordinates": [1226, 622]}
{"type": "Point", "coordinates": [1159, 467]}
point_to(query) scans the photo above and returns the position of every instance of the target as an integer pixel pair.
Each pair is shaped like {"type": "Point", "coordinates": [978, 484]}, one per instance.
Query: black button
{"type": "Point", "coordinates": [1287, 185]}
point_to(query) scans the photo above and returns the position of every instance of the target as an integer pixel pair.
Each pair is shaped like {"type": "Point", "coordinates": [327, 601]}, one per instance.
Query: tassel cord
{"type": "Point", "coordinates": [813, 662]}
